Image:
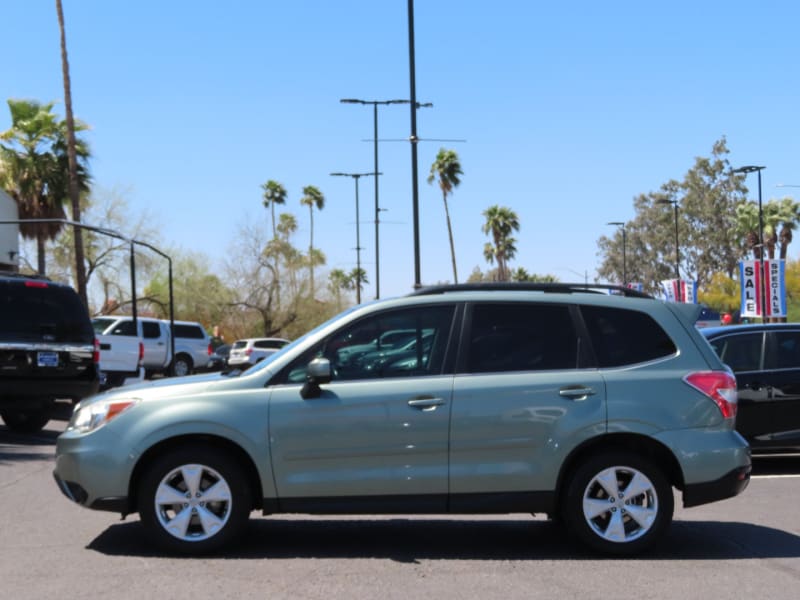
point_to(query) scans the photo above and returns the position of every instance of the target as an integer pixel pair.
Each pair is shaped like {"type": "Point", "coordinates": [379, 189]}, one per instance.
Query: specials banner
{"type": "Point", "coordinates": [774, 286]}
{"type": "Point", "coordinates": [680, 290]}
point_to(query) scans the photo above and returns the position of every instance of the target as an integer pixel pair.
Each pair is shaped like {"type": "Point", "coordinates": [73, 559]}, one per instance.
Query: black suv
{"type": "Point", "coordinates": [47, 350]}
{"type": "Point", "coordinates": [765, 357]}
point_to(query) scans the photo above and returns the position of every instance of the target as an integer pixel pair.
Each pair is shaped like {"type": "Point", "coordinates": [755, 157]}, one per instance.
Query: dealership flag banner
{"type": "Point", "coordinates": [774, 281]}
{"type": "Point", "coordinates": [680, 290]}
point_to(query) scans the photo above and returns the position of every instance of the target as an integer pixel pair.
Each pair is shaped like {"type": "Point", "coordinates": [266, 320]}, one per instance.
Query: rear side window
{"type": "Point", "coordinates": [625, 337]}
{"type": "Point", "coordinates": [47, 313]}
{"type": "Point", "coordinates": [151, 329]}
{"type": "Point", "coordinates": [521, 337]}
{"type": "Point", "coordinates": [189, 331]}
{"type": "Point", "coordinates": [784, 351]}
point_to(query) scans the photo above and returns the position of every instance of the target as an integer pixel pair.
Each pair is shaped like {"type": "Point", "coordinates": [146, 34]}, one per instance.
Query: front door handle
{"type": "Point", "coordinates": [577, 392]}
{"type": "Point", "coordinates": [425, 403]}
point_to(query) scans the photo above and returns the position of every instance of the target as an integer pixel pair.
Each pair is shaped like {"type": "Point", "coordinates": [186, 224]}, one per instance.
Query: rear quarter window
{"type": "Point", "coordinates": [625, 337]}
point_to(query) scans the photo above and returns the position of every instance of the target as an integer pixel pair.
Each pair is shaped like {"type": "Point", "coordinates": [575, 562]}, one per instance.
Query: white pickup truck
{"type": "Point", "coordinates": [128, 355]}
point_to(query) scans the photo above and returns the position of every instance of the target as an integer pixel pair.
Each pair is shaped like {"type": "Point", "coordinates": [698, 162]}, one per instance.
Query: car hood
{"type": "Point", "coordinates": [191, 385]}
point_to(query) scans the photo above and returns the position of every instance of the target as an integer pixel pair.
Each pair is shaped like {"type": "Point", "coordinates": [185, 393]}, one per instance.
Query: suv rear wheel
{"type": "Point", "coordinates": [28, 420]}
{"type": "Point", "coordinates": [182, 366]}
{"type": "Point", "coordinates": [618, 504]}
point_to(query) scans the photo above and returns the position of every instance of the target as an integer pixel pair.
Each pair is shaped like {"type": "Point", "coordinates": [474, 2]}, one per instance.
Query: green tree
{"type": "Point", "coordinates": [312, 197]}
{"type": "Point", "coordinates": [500, 223]}
{"type": "Point", "coordinates": [274, 193]}
{"type": "Point", "coordinates": [706, 197]}
{"type": "Point", "coordinates": [446, 169]}
{"type": "Point", "coordinates": [34, 169]}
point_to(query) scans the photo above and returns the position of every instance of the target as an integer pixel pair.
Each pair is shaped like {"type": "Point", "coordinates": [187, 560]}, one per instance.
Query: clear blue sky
{"type": "Point", "coordinates": [569, 109]}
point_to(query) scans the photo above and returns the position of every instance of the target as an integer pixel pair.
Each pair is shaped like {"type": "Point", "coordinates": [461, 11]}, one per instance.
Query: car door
{"type": "Point", "coordinates": [743, 352]}
{"type": "Point", "coordinates": [155, 344]}
{"type": "Point", "coordinates": [519, 400]}
{"type": "Point", "coordinates": [377, 434]}
{"type": "Point", "coordinates": [781, 375]}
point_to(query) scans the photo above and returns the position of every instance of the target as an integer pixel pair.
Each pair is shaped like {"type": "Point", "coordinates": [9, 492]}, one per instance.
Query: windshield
{"type": "Point", "coordinates": [294, 344]}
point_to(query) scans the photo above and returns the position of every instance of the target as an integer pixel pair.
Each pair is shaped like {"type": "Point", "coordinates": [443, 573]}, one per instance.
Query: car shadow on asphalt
{"type": "Point", "coordinates": [412, 540]}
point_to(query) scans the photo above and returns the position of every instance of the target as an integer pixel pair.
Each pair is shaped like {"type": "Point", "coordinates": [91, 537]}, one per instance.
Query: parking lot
{"type": "Point", "coordinates": [746, 547]}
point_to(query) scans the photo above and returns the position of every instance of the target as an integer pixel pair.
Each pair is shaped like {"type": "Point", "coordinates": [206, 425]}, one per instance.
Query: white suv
{"type": "Point", "coordinates": [249, 351]}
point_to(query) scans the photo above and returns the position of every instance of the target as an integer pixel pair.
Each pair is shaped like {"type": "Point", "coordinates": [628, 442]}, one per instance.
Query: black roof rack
{"type": "Point", "coordinates": [527, 286]}
{"type": "Point", "coordinates": [18, 275]}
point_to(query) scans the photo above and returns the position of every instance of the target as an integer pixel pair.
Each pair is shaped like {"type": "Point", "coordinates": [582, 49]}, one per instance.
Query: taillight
{"type": "Point", "coordinates": [720, 386]}
{"type": "Point", "coordinates": [210, 350]}
{"type": "Point", "coordinates": [248, 351]}
{"type": "Point", "coordinates": [96, 353]}
{"type": "Point", "coordinates": [36, 284]}
{"type": "Point", "coordinates": [141, 354]}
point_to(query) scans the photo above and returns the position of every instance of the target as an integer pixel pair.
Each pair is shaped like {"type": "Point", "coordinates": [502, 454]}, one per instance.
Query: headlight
{"type": "Point", "coordinates": [90, 417]}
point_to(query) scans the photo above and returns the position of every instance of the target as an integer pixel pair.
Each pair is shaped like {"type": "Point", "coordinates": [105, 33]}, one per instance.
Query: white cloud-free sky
{"type": "Point", "coordinates": [569, 110]}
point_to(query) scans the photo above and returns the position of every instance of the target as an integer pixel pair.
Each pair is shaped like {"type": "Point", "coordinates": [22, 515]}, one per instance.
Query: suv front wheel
{"type": "Point", "coordinates": [194, 500]}
{"type": "Point", "coordinates": [618, 504]}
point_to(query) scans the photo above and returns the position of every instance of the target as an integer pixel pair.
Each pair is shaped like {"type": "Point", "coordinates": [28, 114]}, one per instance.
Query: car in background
{"type": "Point", "coordinates": [218, 361]}
{"type": "Point", "coordinates": [48, 350]}
{"type": "Point", "coordinates": [192, 348]}
{"type": "Point", "coordinates": [708, 318]}
{"type": "Point", "coordinates": [528, 398]}
{"type": "Point", "coordinates": [249, 351]}
{"type": "Point", "coordinates": [765, 358]}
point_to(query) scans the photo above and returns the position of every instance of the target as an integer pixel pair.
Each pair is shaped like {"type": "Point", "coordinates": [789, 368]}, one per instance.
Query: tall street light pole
{"type": "Point", "coordinates": [677, 247]}
{"type": "Point", "coordinates": [375, 104]}
{"type": "Point", "coordinates": [621, 225]}
{"type": "Point", "coordinates": [356, 177]}
{"type": "Point", "coordinates": [761, 291]}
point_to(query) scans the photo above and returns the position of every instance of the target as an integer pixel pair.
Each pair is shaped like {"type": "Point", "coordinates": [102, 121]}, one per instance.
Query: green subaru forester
{"type": "Point", "coordinates": [558, 399]}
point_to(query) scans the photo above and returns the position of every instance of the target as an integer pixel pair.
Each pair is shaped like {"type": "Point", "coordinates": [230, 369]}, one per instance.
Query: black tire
{"type": "Point", "coordinates": [182, 365]}
{"type": "Point", "coordinates": [212, 519]}
{"type": "Point", "coordinates": [618, 525]}
{"type": "Point", "coordinates": [28, 420]}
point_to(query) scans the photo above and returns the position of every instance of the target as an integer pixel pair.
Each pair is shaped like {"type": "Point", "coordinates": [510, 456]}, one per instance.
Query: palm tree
{"type": "Point", "coordinates": [312, 197]}
{"type": "Point", "coordinates": [446, 169]}
{"type": "Point", "coordinates": [747, 225]}
{"type": "Point", "coordinates": [274, 193]}
{"type": "Point", "coordinates": [338, 281]}
{"type": "Point", "coordinates": [789, 219]}
{"type": "Point", "coordinates": [34, 169]}
{"type": "Point", "coordinates": [72, 159]}
{"type": "Point", "coordinates": [500, 223]}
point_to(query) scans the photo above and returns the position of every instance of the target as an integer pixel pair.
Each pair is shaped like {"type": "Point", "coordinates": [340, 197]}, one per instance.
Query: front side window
{"type": "Point", "coordinates": [400, 343]}
{"type": "Point", "coordinates": [521, 337]}
{"type": "Point", "coordinates": [625, 337]}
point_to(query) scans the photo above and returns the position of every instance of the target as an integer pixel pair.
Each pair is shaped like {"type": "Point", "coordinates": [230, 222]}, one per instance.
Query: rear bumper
{"type": "Point", "coordinates": [727, 486]}
{"type": "Point", "coordinates": [25, 391]}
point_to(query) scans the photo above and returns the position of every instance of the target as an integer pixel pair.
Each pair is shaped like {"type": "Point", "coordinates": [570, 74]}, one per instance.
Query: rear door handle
{"type": "Point", "coordinates": [577, 392]}
{"type": "Point", "coordinates": [425, 403]}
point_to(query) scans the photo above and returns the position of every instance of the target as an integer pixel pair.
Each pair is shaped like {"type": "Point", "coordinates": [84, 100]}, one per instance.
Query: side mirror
{"type": "Point", "coordinates": [318, 372]}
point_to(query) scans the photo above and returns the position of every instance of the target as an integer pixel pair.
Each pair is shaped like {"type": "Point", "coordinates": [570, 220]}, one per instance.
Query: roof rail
{"type": "Point", "coordinates": [18, 275]}
{"type": "Point", "coordinates": [528, 286]}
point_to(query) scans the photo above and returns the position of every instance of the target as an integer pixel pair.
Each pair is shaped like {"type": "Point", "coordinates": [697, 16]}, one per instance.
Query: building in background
{"type": "Point", "coordinates": [9, 234]}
